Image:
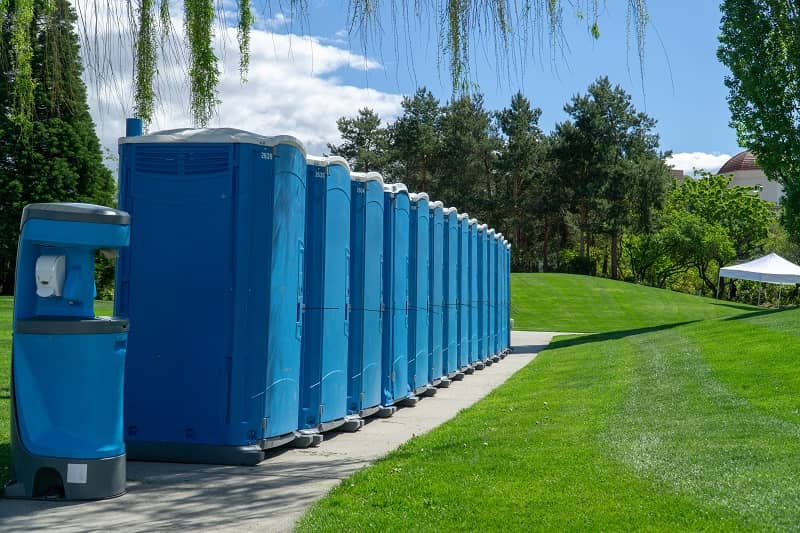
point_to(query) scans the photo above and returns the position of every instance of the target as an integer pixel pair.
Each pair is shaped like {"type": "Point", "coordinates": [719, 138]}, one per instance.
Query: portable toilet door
{"type": "Point", "coordinates": [435, 282]}
{"type": "Point", "coordinates": [418, 285]}
{"type": "Point", "coordinates": [323, 363]}
{"type": "Point", "coordinates": [213, 283]}
{"type": "Point", "coordinates": [366, 294]}
{"type": "Point", "coordinates": [449, 303]}
{"type": "Point", "coordinates": [463, 292]}
{"type": "Point", "coordinates": [395, 290]}
{"type": "Point", "coordinates": [473, 293]}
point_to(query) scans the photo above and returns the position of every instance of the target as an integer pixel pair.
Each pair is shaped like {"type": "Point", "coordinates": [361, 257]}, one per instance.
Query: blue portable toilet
{"type": "Point", "coordinates": [462, 274]}
{"type": "Point", "coordinates": [67, 366]}
{"type": "Point", "coordinates": [450, 300]}
{"type": "Point", "coordinates": [395, 291]}
{"type": "Point", "coordinates": [473, 295]}
{"type": "Point", "coordinates": [213, 283]}
{"type": "Point", "coordinates": [508, 295]}
{"type": "Point", "coordinates": [437, 375]}
{"type": "Point", "coordinates": [491, 258]}
{"type": "Point", "coordinates": [498, 293]}
{"type": "Point", "coordinates": [364, 394]}
{"type": "Point", "coordinates": [483, 295]}
{"type": "Point", "coordinates": [419, 295]}
{"type": "Point", "coordinates": [504, 279]}
{"type": "Point", "coordinates": [326, 310]}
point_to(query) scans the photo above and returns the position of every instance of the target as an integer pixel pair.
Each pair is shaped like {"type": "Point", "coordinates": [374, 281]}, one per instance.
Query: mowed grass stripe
{"type": "Point", "coordinates": [565, 302]}
{"type": "Point", "coordinates": [682, 426]}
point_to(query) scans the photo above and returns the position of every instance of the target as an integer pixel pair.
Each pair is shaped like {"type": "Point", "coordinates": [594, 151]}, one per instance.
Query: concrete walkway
{"type": "Point", "coordinates": [273, 495]}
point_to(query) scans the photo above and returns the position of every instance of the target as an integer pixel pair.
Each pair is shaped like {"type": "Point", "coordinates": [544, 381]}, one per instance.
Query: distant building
{"type": "Point", "coordinates": [677, 174]}
{"type": "Point", "coordinates": [748, 174]}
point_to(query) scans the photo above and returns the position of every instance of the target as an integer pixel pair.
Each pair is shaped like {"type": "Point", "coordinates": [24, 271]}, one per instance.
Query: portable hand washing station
{"type": "Point", "coordinates": [67, 364]}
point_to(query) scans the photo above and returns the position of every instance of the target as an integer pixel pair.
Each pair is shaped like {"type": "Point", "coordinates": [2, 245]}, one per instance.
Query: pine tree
{"type": "Point", "coordinates": [60, 158]}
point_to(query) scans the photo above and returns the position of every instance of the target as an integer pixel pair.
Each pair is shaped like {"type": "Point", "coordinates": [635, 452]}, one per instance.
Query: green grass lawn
{"type": "Point", "coordinates": [6, 314]}
{"type": "Point", "coordinates": [564, 302]}
{"type": "Point", "coordinates": [650, 427]}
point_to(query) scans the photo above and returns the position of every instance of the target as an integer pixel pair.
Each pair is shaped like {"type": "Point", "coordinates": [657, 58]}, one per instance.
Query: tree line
{"type": "Point", "coordinates": [593, 196]}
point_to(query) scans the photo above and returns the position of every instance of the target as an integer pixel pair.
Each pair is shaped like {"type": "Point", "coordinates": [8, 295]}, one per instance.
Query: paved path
{"type": "Point", "coordinates": [274, 494]}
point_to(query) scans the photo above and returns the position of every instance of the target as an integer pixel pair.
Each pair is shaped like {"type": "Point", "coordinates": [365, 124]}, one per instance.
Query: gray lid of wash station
{"type": "Point", "coordinates": [75, 212]}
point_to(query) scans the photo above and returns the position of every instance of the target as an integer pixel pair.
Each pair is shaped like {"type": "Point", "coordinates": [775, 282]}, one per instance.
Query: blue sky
{"type": "Point", "coordinates": [307, 71]}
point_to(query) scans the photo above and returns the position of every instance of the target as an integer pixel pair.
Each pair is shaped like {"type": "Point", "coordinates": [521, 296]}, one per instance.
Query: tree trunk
{"type": "Point", "coordinates": [582, 249]}
{"type": "Point", "coordinates": [615, 254]}
{"type": "Point", "coordinates": [545, 243]}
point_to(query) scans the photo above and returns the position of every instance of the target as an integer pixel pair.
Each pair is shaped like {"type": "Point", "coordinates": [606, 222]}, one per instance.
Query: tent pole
{"type": "Point", "coordinates": [759, 292]}
{"type": "Point", "coordinates": [780, 288]}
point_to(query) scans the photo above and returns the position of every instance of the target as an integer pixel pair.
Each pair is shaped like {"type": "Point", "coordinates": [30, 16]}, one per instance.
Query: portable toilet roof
{"type": "Point", "coordinates": [490, 232]}
{"type": "Point", "coordinates": [398, 188]}
{"type": "Point", "coordinates": [463, 216]}
{"type": "Point", "coordinates": [327, 160]}
{"type": "Point", "coordinates": [436, 204]}
{"type": "Point", "coordinates": [473, 222]}
{"type": "Point", "coordinates": [213, 135]}
{"type": "Point", "coordinates": [449, 210]}
{"type": "Point", "coordinates": [482, 227]}
{"type": "Point", "coordinates": [367, 176]}
{"type": "Point", "coordinates": [422, 196]}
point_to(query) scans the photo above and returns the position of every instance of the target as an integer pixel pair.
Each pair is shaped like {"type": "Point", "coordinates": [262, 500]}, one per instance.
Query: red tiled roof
{"type": "Point", "coordinates": [743, 161]}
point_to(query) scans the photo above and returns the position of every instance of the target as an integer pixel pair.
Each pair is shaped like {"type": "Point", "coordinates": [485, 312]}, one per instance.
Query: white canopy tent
{"type": "Point", "coordinates": [771, 268]}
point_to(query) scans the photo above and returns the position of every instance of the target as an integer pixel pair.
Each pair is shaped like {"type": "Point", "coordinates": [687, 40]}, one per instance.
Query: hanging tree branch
{"type": "Point", "coordinates": [462, 25]}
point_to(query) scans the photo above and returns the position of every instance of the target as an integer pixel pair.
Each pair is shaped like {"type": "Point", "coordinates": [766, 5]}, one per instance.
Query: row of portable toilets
{"type": "Point", "coordinates": [274, 296]}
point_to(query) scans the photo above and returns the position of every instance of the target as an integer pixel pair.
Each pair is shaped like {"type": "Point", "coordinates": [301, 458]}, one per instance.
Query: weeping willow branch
{"type": "Point", "coordinates": [246, 21]}
{"type": "Point", "coordinates": [146, 61]}
{"type": "Point", "coordinates": [203, 68]}
{"type": "Point", "coordinates": [22, 48]}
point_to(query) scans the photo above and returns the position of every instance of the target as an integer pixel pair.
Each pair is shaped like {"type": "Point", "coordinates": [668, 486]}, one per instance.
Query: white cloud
{"type": "Point", "coordinates": [687, 161]}
{"type": "Point", "coordinates": [279, 20]}
{"type": "Point", "coordinates": [293, 87]}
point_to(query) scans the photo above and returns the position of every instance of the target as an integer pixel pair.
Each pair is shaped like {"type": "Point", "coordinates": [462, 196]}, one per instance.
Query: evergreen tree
{"type": "Point", "coordinates": [465, 175]}
{"type": "Point", "coordinates": [415, 140]}
{"type": "Point", "coordinates": [526, 182]}
{"type": "Point", "coordinates": [611, 153]}
{"type": "Point", "coordinates": [365, 141]}
{"type": "Point", "coordinates": [59, 159]}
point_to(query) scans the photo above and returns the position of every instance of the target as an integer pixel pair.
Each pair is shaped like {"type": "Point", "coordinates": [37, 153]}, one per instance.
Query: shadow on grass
{"type": "Point", "coordinates": [763, 312]}
{"type": "Point", "coordinates": [613, 335]}
{"type": "Point", "coordinates": [741, 307]}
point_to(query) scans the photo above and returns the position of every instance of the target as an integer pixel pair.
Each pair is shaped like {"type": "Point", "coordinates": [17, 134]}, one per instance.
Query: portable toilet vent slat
{"type": "Point", "coordinates": [213, 283]}
{"type": "Point", "coordinates": [418, 283]}
{"type": "Point", "coordinates": [450, 297]}
{"type": "Point", "coordinates": [323, 363]}
{"type": "Point", "coordinates": [395, 291]}
{"type": "Point", "coordinates": [366, 294]}
{"type": "Point", "coordinates": [435, 280]}
{"type": "Point", "coordinates": [473, 293]}
{"type": "Point", "coordinates": [462, 275]}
